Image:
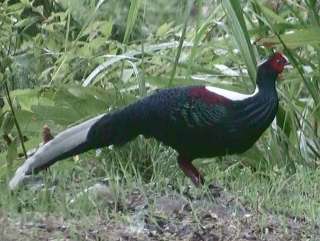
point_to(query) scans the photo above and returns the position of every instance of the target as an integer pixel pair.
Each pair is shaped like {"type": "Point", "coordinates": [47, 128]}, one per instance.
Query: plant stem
{"type": "Point", "coordinates": [15, 119]}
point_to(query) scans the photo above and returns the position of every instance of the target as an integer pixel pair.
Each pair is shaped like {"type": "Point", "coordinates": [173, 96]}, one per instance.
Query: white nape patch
{"type": "Point", "coordinates": [262, 62]}
{"type": "Point", "coordinates": [274, 124]}
{"type": "Point", "coordinates": [231, 95]}
{"type": "Point", "coordinates": [62, 143]}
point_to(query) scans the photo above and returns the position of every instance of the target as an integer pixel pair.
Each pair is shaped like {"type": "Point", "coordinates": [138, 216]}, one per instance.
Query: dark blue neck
{"type": "Point", "coordinates": [266, 79]}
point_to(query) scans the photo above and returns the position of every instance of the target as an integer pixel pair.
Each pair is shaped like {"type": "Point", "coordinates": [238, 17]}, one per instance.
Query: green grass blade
{"type": "Point", "coordinates": [298, 38]}
{"type": "Point", "coordinates": [201, 33]}
{"type": "Point", "coordinates": [240, 33]}
{"type": "Point", "coordinates": [132, 17]}
{"type": "Point", "coordinates": [187, 13]}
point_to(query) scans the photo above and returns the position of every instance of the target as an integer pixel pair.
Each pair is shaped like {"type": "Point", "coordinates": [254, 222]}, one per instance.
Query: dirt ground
{"type": "Point", "coordinates": [173, 217]}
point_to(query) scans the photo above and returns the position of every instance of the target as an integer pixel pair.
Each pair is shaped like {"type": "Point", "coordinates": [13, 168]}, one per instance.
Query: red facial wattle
{"type": "Point", "coordinates": [278, 62]}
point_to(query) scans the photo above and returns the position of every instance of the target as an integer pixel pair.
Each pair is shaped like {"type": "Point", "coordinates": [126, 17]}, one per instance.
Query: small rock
{"type": "Point", "coordinates": [136, 201]}
{"type": "Point", "coordinates": [137, 223]}
{"type": "Point", "coordinates": [170, 204]}
{"type": "Point", "coordinates": [249, 236]}
{"type": "Point", "coordinates": [98, 191]}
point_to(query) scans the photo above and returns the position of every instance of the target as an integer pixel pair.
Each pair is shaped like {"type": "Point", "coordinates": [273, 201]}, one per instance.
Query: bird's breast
{"type": "Point", "coordinates": [248, 121]}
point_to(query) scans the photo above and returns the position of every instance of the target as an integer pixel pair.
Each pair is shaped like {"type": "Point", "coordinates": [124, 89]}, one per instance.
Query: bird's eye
{"type": "Point", "coordinates": [280, 61]}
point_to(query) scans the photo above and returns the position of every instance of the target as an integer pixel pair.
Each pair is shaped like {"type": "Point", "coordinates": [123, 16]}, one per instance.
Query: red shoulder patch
{"type": "Point", "coordinates": [206, 96]}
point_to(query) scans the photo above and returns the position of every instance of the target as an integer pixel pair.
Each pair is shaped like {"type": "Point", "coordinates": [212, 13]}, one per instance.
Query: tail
{"type": "Point", "coordinates": [97, 132]}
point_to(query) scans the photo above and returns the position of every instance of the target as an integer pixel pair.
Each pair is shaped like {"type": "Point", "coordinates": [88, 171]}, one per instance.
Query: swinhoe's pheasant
{"type": "Point", "coordinates": [196, 121]}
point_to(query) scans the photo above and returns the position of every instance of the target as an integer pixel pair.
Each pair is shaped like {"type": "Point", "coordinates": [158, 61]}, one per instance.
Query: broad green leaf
{"type": "Point", "coordinates": [271, 14]}
{"type": "Point", "coordinates": [29, 123]}
{"type": "Point", "coordinates": [61, 115]}
{"type": "Point", "coordinates": [30, 97]}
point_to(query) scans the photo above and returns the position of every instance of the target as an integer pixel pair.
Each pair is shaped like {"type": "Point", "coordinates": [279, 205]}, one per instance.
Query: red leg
{"type": "Point", "coordinates": [190, 171]}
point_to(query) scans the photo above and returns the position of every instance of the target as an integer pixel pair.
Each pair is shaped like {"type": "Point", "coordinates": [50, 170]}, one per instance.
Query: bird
{"type": "Point", "coordinates": [196, 121]}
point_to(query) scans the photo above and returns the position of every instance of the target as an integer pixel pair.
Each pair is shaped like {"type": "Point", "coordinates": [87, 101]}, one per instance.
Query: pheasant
{"type": "Point", "coordinates": [196, 121]}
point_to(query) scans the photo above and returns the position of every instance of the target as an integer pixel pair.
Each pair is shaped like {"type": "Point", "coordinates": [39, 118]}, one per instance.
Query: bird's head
{"type": "Point", "coordinates": [276, 63]}
{"type": "Point", "coordinates": [269, 70]}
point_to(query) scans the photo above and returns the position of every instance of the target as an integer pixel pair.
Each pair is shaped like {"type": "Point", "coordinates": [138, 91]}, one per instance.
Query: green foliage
{"type": "Point", "coordinates": [65, 61]}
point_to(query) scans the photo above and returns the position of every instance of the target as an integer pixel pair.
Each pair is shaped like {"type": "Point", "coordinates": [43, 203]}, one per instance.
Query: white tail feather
{"type": "Point", "coordinates": [62, 143]}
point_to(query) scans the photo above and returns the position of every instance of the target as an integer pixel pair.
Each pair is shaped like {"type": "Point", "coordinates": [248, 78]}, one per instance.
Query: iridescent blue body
{"type": "Point", "coordinates": [191, 125]}
{"type": "Point", "coordinates": [196, 121]}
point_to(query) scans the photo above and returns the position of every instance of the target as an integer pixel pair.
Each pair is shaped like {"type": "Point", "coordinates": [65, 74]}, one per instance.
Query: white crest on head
{"type": "Point", "coordinates": [285, 57]}
{"type": "Point", "coordinates": [231, 95]}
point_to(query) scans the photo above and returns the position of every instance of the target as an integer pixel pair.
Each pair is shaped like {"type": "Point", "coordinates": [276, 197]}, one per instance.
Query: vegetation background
{"type": "Point", "coordinates": [63, 61]}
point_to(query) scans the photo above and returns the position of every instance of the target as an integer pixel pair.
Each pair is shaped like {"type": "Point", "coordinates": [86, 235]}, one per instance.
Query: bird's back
{"type": "Point", "coordinates": [191, 124]}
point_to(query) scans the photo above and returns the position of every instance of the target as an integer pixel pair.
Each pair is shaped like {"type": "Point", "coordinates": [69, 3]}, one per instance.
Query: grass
{"type": "Point", "coordinates": [260, 195]}
{"type": "Point", "coordinates": [71, 70]}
